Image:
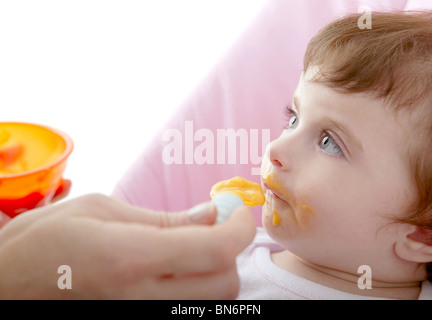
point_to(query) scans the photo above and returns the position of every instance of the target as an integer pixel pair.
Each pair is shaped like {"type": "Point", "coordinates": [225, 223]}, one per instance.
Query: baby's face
{"type": "Point", "coordinates": [336, 177]}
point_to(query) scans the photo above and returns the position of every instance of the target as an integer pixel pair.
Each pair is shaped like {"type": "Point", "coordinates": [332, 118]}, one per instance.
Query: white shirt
{"type": "Point", "coordinates": [261, 279]}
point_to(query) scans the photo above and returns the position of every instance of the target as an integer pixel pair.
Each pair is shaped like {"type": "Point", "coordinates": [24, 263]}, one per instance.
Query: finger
{"type": "Point", "coordinates": [210, 248]}
{"type": "Point", "coordinates": [4, 219]}
{"type": "Point", "coordinates": [28, 218]}
{"type": "Point", "coordinates": [62, 191]}
{"type": "Point", "coordinates": [204, 213]}
{"type": "Point", "coordinates": [210, 286]}
{"type": "Point", "coordinates": [101, 207]}
{"type": "Point", "coordinates": [185, 250]}
{"type": "Point", "coordinates": [11, 227]}
{"type": "Point", "coordinates": [111, 209]}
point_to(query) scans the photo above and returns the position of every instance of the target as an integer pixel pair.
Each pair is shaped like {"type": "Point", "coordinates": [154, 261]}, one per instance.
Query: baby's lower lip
{"type": "Point", "coordinates": [272, 193]}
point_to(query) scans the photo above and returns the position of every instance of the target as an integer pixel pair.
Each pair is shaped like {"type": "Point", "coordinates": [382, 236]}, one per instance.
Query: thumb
{"type": "Point", "coordinates": [3, 219]}
{"type": "Point", "coordinates": [108, 208]}
{"type": "Point", "coordinates": [204, 213]}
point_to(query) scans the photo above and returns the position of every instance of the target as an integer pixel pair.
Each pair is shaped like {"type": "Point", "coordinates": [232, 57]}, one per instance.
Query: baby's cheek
{"type": "Point", "coordinates": [305, 212]}
{"type": "Point", "coordinates": [306, 217]}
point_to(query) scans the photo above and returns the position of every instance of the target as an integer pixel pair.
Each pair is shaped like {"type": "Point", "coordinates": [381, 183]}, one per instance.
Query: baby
{"type": "Point", "coordinates": [348, 184]}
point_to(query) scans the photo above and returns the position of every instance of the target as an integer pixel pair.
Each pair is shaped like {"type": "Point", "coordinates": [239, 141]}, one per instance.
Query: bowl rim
{"type": "Point", "coordinates": [66, 153]}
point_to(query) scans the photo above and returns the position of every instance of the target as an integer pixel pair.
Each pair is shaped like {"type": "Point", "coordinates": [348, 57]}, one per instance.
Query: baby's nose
{"type": "Point", "coordinates": [279, 155]}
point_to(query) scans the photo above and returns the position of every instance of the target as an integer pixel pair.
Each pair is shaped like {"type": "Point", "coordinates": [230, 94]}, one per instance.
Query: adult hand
{"type": "Point", "coordinates": [117, 251]}
{"type": "Point", "coordinates": [3, 219]}
{"type": "Point", "coordinates": [60, 194]}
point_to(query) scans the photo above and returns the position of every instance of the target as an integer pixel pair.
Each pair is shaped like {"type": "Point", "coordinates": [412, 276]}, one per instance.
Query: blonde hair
{"type": "Point", "coordinates": [392, 61]}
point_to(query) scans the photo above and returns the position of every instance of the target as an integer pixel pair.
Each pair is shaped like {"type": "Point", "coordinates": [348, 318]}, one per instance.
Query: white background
{"type": "Point", "coordinates": [109, 73]}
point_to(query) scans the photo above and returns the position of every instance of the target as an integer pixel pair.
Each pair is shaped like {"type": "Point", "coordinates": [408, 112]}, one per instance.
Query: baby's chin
{"type": "Point", "coordinates": [286, 224]}
{"type": "Point", "coordinates": [271, 216]}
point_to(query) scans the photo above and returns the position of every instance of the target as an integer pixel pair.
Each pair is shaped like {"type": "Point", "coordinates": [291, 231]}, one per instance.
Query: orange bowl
{"type": "Point", "coordinates": [32, 162]}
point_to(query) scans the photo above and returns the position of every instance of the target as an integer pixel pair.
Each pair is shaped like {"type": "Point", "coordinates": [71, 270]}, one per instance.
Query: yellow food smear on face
{"type": "Point", "coordinates": [267, 177]}
{"type": "Point", "coordinates": [250, 192]}
{"type": "Point", "coordinates": [307, 208]}
{"type": "Point", "coordinates": [276, 218]}
{"type": "Point", "coordinates": [266, 209]}
{"type": "Point", "coordinates": [271, 179]}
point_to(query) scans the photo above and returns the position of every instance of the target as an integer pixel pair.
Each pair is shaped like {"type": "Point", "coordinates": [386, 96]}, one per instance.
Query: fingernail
{"type": "Point", "coordinates": [201, 211]}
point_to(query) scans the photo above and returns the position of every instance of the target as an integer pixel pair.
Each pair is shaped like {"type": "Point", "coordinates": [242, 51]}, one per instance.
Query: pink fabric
{"type": "Point", "coordinates": [418, 4]}
{"type": "Point", "coordinates": [247, 89]}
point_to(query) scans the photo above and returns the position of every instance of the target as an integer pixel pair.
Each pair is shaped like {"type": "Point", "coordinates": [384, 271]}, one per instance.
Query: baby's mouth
{"type": "Point", "coordinates": [280, 198]}
{"type": "Point", "coordinates": [272, 185]}
{"type": "Point", "coordinates": [272, 192]}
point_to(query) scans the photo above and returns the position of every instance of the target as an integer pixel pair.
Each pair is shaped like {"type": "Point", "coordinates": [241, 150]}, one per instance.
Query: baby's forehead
{"type": "Point", "coordinates": [416, 115]}
{"type": "Point", "coordinates": [310, 88]}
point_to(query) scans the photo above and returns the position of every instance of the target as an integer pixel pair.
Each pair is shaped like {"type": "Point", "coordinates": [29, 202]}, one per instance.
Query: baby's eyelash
{"type": "Point", "coordinates": [288, 111]}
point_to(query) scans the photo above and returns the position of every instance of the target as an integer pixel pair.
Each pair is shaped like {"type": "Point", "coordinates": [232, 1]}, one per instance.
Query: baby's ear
{"type": "Point", "coordinates": [414, 244]}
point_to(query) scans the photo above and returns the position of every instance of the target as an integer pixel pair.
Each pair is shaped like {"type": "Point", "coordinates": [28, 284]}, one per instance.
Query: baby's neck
{"type": "Point", "coordinates": [344, 281]}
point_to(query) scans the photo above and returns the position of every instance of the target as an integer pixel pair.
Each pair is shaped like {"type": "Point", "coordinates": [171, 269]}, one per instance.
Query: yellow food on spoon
{"type": "Point", "coordinates": [250, 192]}
{"type": "Point", "coordinates": [229, 194]}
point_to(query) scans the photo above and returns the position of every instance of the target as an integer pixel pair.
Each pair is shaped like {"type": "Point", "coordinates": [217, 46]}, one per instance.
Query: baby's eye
{"type": "Point", "coordinates": [329, 145]}
{"type": "Point", "coordinates": [292, 123]}
{"type": "Point", "coordinates": [292, 117]}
